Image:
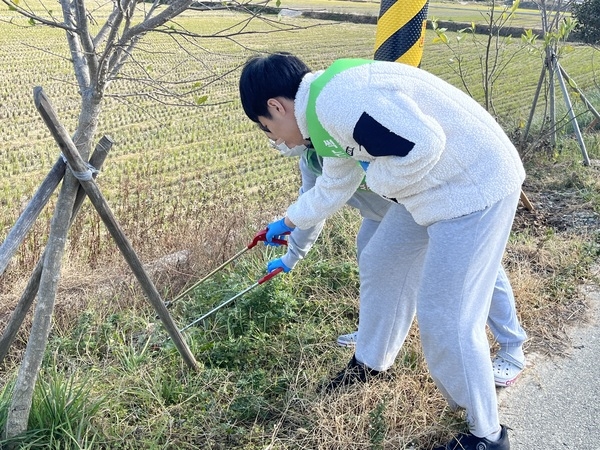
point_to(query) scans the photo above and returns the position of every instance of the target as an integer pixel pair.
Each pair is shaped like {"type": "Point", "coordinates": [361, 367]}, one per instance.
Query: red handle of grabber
{"type": "Point", "coordinates": [270, 275]}
{"type": "Point", "coordinates": [261, 236]}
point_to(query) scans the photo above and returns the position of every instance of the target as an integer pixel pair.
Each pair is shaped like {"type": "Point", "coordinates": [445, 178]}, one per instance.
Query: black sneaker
{"type": "Point", "coordinates": [354, 372]}
{"type": "Point", "coordinates": [472, 442]}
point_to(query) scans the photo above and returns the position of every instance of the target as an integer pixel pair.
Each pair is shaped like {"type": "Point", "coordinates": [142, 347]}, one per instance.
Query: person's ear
{"type": "Point", "coordinates": [275, 106]}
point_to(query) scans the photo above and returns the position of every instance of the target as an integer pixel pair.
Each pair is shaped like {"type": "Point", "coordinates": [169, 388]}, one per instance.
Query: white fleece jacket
{"type": "Point", "coordinates": [430, 146]}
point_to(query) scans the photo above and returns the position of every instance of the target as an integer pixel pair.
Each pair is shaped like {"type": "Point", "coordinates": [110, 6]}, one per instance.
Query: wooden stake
{"type": "Point", "coordinates": [526, 201]}
{"type": "Point", "coordinates": [79, 169]}
{"type": "Point", "coordinates": [18, 315]}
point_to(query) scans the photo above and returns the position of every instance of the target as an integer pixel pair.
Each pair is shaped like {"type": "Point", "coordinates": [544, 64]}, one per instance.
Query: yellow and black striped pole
{"type": "Point", "coordinates": [400, 32]}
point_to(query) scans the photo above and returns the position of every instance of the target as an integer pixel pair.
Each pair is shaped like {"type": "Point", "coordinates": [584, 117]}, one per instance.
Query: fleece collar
{"type": "Point", "coordinates": [301, 102]}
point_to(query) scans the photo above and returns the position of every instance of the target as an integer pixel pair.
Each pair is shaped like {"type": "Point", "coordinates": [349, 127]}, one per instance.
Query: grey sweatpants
{"type": "Point", "coordinates": [447, 273]}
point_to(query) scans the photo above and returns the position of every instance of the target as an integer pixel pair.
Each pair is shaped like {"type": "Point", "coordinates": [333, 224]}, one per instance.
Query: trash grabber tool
{"type": "Point", "coordinates": [267, 277]}
{"type": "Point", "coordinates": [258, 237]}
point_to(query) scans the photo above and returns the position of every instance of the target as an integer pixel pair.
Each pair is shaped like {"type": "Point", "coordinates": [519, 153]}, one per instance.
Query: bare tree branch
{"type": "Point", "coordinates": [119, 57]}
{"type": "Point", "coordinates": [45, 50]}
{"type": "Point", "coordinates": [116, 19]}
{"type": "Point", "coordinates": [81, 69]}
{"type": "Point", "coordinates": [37, 18]}
{"type": "Point", "coordinates": [110, 26]}
{"type": "Point", "coordinates": [174, 9]}
{"type": "Point", "coordinates": [155, 5]}
{"type": "Point", "coordinates": [84, 36]}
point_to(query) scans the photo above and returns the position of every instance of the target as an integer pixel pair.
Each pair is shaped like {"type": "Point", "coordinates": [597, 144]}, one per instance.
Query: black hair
{"type": "Point", "coordinates": [270, 76]}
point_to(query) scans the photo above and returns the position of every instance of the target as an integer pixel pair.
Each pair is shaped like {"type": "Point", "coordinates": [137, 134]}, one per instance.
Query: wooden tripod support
{"type": "Point", "coordinates": [78, 166]}
{"type": "Point", "coordinates": [87, 186]}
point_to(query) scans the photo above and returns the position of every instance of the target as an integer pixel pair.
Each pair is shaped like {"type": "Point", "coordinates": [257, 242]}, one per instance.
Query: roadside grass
{"type": "Point", "coordinates": [263, 359]}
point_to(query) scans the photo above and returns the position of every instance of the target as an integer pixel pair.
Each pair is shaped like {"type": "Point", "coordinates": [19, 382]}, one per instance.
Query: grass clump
{"type": "Point", "coordinates": [62, 413]}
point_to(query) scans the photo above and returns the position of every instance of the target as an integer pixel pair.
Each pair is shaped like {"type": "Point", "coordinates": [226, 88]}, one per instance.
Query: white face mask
{"type": "Point", "coordinates": [286, 151]}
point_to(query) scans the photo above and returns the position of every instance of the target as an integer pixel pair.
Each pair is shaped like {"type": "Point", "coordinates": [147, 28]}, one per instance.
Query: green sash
{"type": "Point", "coordinates": [322, 141]}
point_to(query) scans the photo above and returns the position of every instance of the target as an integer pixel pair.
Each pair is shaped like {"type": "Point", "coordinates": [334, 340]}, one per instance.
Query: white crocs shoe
{"type": "Point", "coordinates": [506, 370]}
{"type": "Point", "coordinates": [347, 340]}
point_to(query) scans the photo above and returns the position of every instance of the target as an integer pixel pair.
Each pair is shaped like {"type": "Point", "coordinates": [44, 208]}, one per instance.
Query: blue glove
{"type": "Point", "coordinates": [276, 264]}
{"type": "Point", "coordinates": [364, 165]}
{"type": "Point", "coordinates": [276, 230]}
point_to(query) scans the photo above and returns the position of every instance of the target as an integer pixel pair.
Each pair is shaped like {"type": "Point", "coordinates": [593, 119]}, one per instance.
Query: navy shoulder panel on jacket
{"type": "Point", "coordinates": [377, 140]}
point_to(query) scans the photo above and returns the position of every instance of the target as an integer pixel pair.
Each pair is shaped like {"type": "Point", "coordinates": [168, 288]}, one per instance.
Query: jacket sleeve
{"type": "Point", "coordinates": [340, 179]}
{"type": "Point", "coordinates": [301, 241]}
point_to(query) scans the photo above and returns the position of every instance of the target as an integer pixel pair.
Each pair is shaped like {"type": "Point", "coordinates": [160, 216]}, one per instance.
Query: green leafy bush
{"type": "Point", "coordinates": [587, 14]}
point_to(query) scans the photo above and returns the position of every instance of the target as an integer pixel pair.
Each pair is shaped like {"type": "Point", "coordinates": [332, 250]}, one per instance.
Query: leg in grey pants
{"type": "Point", "coordinates": [455, 265]}
{"type": "Point", "coordinates": [379, 350]}
{"type": "Point", "coordinates": [389, 268]}
{"type": "Point", "coordinates": [503, 321]}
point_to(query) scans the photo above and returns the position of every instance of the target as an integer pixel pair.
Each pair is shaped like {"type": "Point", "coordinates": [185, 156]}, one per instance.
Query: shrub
{"type": "Point", "coordinates": [587, 14]}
